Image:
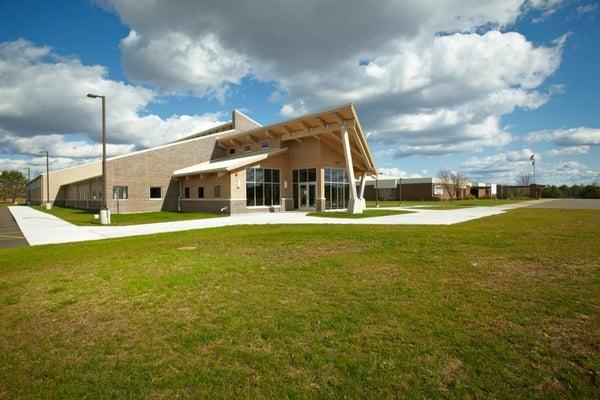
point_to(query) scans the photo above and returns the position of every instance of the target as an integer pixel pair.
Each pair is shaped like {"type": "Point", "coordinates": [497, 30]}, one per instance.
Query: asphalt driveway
{"type": "Point", "coordinates": [588, 204]}
{"type": "Point", "coordinates": [10, 234]}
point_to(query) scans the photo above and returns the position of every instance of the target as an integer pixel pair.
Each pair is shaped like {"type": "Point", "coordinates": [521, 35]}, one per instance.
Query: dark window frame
{"type": "Point", "coordinates": [263, 187]}
{"type": "Point", "coordinates": [153, 196]}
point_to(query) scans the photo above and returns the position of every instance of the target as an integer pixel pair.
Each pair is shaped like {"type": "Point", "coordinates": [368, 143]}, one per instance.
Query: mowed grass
{"type": "Point", "coordinates": [78, 216]}
{"type": "Point", "coordinates": [365, 214]}
{"type": "Point", "coordinates": [442, 204]}
{"type": "Point", "coordinates": [502, 307]}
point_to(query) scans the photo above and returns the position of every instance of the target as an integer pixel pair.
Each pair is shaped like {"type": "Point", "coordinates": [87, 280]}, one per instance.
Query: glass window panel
{"type": "Point", "coordinates": [327, 174]}
{"type": "Point", "coordinates": [268, 194]}
{"type": "Point", "coordinates": [250, 194]}
{"type": "Point", "coordinates": [267, 175]}
{"type": "Point", "coordinates": [200, 192]}
{"type": "Point", "coordinates": [275, 176]}
{"type": "Point", "coordinates": [259, 195]}
{"type": "Point", "coordinates": [327, 196]}
{"type": "Point", "coordinates": [346, 195]}
{"type": "Point", "coordinates": [312, 195]}
{"type": "Point", "coordinates": [312, 175]}
{"type": "Point", "coordinates": [334, 199]}
{"type": "Point", "coordinates": [186, 193]}
{"type": "Point", "coordinates": [217, 191]}
{"type": "Point", "coordinates": [275, 194]}
{"type": "Point", "coordinates": [249, 174]}
{"type": "Point", "coordinates": [295, 176]}
{"type": "Point", "coordinates": [295, 195]}
{"type": "Point", "coordinates": [258, 175]}
{"type": "Point", "coordinates": [303, 175]}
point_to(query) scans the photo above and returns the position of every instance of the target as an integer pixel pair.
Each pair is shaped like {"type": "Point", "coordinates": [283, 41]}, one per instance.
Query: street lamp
{"type": "Point", "coordinates": [104, 212]}
{"type": "Point", "coordinates": [48, 206]}
{"type": "Point", "coordinates": [28, 180]}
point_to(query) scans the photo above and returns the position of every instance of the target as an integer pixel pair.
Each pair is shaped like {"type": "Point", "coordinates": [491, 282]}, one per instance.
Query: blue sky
{"type": "Point", "coordinates": [503, 80]}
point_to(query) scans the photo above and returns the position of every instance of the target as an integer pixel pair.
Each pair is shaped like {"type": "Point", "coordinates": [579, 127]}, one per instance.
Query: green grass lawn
{"type": "Point", "coordinates": [502, 307]}
{"type": "Point", "coordinates": [365, 214]}
{"type": "Point", "coordinates": [442, 204]}
{"type": "Point", "coordinates": [86, 217]}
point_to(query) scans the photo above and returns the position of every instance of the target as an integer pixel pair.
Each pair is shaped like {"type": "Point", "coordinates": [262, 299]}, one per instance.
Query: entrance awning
{"type": "Point", "coordinates": [226, 164]}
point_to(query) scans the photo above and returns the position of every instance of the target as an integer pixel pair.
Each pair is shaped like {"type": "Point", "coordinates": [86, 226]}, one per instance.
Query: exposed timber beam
{"type": "Point", "coordinates": [252, 138]}
{"type": "Point", "coordinates": [292, 135]}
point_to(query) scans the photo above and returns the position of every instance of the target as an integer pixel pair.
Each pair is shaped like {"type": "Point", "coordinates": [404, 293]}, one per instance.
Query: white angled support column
{"type": "Point", "coordinates": [354, 204]}
{"type": "Point", "coordinates": [362, 190]}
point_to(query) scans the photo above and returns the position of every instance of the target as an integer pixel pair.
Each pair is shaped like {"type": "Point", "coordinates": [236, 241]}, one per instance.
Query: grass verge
{"type": "Point", "coordinates": [365, 214]}
{"type": "Point", "coordinates": [78, 216]}
{"type": "Point", "coordinates": [502, 307]}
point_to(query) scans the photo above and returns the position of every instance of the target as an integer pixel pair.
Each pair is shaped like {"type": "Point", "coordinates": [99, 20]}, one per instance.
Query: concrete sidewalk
{"type": "Point", "coordinates": [42, 228]}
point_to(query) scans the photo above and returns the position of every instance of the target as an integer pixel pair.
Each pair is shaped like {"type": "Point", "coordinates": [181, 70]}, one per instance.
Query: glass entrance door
{"type": "Point", "coordinates": [307, 196]}
{"type": "Point", "coordinates": [304, 188]}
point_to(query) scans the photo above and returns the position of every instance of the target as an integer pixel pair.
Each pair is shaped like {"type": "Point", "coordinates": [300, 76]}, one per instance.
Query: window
{"type": "Point", "coordinates": [262, 187]}
{"type": "Point", "coordinates": [337, 190]}
{"type": "Point", "coordinates": [200, 192]}
{"type": "Point", "coordinates": [247, 148]}
{"type": "Point", "coordinates": [186, 192]}
{"type": "Point", "coordinates": [155, 192]}
{"type": "Point", "coordinates": [217, 191]}
{"type": "Point", "coordinates": [232, 151]}
{"type": "Point", "coordinates": [120, 193]}
{"type": "Point", "coordinates": [265, 144]}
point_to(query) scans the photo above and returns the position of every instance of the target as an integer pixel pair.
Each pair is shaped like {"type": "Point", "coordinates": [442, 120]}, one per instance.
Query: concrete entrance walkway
{"type": "Point", "coordinates": [42, 228]}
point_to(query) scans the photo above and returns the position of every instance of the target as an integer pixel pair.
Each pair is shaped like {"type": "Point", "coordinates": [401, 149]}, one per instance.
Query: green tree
{"type": "Point", "coordinates": [13, 185]}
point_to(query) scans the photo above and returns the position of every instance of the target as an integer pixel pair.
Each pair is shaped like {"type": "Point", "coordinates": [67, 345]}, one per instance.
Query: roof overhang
{"type": "Point", "coordinates": [226, 164]}
{"type": "Point", "coordinates": [325, 126]}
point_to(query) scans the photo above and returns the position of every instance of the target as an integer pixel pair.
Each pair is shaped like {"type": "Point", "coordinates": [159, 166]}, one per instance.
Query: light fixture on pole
{"type": "Point", "coordinates": [532, 159]}
{"type": "Point", "coordinates": [104, 212]}
{"type": "Point", "coordinates": [48, 205]}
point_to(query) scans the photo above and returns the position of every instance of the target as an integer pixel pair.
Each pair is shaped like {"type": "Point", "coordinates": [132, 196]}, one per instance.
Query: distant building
{"type": "Point", "coordinates": [396, 188]}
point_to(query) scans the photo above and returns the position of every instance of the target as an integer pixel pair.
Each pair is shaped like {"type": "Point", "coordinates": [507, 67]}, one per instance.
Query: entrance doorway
{"type": "Point", "coordinates": [307, 194]}
{"type": "Point", "coordinates": [305, 188]}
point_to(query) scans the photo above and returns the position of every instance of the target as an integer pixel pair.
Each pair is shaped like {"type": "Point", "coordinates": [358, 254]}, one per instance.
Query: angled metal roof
{"type": "Point", "coordinates": [226, 164]}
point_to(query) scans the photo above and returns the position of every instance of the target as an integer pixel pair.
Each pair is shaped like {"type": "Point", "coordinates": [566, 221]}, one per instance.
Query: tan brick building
{"type": "Point", "coordinates": [313, 162]}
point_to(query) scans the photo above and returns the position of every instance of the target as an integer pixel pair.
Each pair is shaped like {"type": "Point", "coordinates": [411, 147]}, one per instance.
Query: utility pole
{"type": "Point", "coordinates": [47, 179]}
{"type": "Point", "coordinates": [400, 191]}
{"type": "Point", "coordinates": [377, 190]}
{"type": "Point", "coordinates": [28, 180]}
{"type": "Point", "coordinates": [104, 212]}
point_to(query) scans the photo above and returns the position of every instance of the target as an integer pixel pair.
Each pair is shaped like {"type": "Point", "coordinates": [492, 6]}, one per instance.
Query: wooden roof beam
{"type": "Point", "coordinates": [335, 146]}
{"type": "Point", "coordinates": [252, 138]}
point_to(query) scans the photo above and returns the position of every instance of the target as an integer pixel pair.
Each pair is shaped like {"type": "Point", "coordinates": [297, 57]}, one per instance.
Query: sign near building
{"type": "Point", "coordinates": [438, 190]}
{"type": "Point", "coordinates": [493, 189]}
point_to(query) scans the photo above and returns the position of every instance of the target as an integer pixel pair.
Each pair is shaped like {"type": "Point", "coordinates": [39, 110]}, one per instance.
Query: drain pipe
{"type": "Point", "coordinates": [179, 197]}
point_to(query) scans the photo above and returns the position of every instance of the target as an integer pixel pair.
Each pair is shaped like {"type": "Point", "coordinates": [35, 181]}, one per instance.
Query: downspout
{"type": "Point", "coordinates": [179, 197]}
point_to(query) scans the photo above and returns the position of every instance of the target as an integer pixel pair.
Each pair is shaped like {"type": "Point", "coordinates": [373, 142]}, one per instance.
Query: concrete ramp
{"type": "Point", "coordinates": [42, 228]}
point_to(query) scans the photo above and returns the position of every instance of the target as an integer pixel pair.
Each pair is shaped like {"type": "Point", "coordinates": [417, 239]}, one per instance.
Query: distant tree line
{"type": "Point", "coordinates": [575, 191]}
{"type": "Point", "coordinates": [13, 186]}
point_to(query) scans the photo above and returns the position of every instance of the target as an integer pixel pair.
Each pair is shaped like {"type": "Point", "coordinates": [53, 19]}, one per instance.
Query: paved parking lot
{"type": "Point", "coordinates": [589, 204]}
{"type": "Point", "coordinates": [10, 234]}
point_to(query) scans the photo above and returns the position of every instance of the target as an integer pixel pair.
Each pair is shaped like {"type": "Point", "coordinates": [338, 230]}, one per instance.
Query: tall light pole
{"type": "Point", "coordinates": [47, 178]}
{"type": "Point", "coordinates": [104, 182]}
{"type": "Point", "coordinates": [28, 180]}
{"type": "Point", "coordinates": [532, 159]}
